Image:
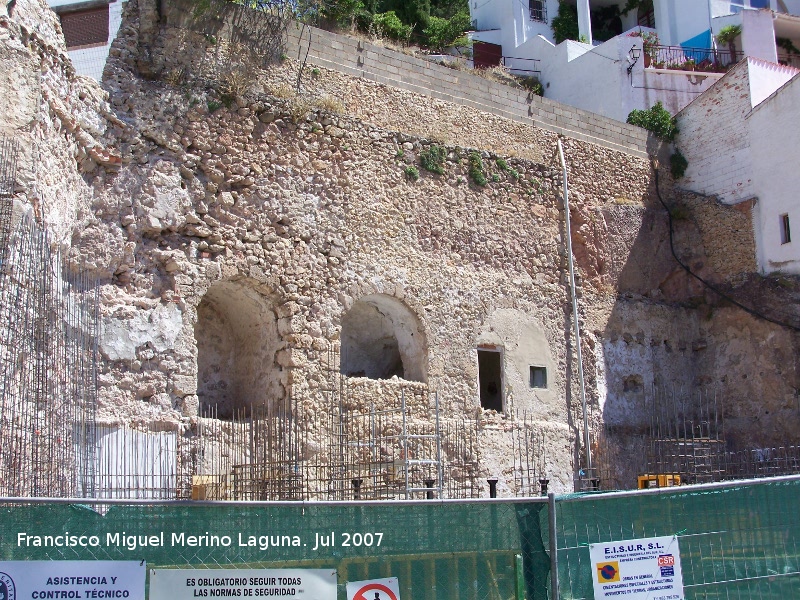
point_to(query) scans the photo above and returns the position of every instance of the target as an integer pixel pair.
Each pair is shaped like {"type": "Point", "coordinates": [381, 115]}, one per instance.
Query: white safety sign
{"type": "Point", "coordinates": [648, 568]}
{"type": "Point", "coordinates": [374, 589]}
{"type": "Point", "coordinates": [72, 580]}
{"type": "Point", "coordinates": [186, 584]}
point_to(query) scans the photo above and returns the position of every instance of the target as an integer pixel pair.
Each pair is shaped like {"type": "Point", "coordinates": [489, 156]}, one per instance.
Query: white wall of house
{"type": "Point", "coordinates": [766, 78]}
{"type": "Point", "coordinates": [509, 24]}
{"type": "Point", "coordinates": [729, 137]}
{"type": "Point", "coordinates": [774, 128]}
{"type": "Point", "coordinates": [596, 78]}
{"type": "Point", "coordinates": [682, 22]}
{"type": "Point", "coordinates": [758, 35]}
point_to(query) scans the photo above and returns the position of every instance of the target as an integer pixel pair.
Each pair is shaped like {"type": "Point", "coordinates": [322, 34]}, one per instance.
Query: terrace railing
{"type": "Point", "coordinates": [709, 60]}
{"type": "Point", "coordinates": [792, 60]}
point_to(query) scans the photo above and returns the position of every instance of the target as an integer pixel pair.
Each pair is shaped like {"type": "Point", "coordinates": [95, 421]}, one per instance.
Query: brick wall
{"type": "Point", "coordinates": [712, 138]}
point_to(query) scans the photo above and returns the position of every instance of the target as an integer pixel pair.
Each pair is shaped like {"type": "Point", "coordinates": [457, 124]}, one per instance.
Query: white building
{"type": "Point", "coordinates": [607, 71]}
{"type": "Point", "coordinates": [89, 28]}
{"type": "Point", "coordinates": [741, 139]}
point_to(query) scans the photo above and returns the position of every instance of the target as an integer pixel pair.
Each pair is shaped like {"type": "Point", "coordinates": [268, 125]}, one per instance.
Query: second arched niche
{"type": "Point", "coordinates": [382, 338]}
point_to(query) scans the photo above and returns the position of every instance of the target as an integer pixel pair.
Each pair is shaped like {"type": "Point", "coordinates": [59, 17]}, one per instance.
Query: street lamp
{"type": "Point", "coordinates": [633, 57]}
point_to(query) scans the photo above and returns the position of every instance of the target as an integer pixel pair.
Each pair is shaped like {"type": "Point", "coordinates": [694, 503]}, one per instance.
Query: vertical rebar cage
{"type": "Point", "coordinates": [48, 368]}
{"type": "Point", "coordinates": [9, 149]}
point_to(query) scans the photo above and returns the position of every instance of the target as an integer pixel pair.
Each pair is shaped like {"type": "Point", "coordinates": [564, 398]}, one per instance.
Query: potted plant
{"type": "Point", "coordinates": [650, 44]}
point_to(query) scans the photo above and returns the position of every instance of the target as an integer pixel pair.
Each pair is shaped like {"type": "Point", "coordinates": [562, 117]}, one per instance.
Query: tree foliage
{"type": "Point", "coordinates": [728, 33]}
{"type": "Point", "coordinates": [443, 33]}
{"type": "Point", "coordinates": [565, 23]}
{"type": "Point", "coordinates": [411, 12]}
{"type": "Point", "coordinates": [389, 25]}
{"type": "Point", "coordinates": [438, 23]}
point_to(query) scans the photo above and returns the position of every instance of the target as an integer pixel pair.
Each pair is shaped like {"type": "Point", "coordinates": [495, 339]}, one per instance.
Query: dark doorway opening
{"type": "Point", "coordinates": [490, 379]}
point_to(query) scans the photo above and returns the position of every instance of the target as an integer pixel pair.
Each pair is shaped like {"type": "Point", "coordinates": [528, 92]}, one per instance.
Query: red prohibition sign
{"type": "Point", "coordinates": [361, 594]}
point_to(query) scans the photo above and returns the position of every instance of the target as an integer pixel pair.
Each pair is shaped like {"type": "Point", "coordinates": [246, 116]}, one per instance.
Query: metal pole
{"type": "Point", "coordinates": [405, 439]}
{"type": "Point", "coordinates": [577, 326]}
{"type": "Point", "coordinates": [519, 576]}
{"type": "Point", "coordinates": [439, 470]}
{"type": "Point", "coordinates": [551, 509]}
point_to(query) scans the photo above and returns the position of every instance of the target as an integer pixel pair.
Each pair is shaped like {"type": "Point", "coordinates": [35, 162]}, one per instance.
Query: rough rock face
{"type": "Point", "coordinates": [243, 240]}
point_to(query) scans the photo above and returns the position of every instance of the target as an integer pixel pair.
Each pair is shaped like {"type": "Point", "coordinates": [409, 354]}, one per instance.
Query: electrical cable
{"type": "Point", "coordinates": [710, 286]}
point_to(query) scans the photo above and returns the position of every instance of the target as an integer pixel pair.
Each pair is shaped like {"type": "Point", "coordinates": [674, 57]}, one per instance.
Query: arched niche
{"type": "Point", "coordinates": [237, 338]}
{"type": "Point", "coordinates": [381, 338]}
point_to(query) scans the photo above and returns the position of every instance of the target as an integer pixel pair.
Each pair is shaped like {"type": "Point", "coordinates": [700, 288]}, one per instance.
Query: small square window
{"type": "Point", "coordinates": [786, 233]}
{"type": "Point", "coordinates": [538, 377]}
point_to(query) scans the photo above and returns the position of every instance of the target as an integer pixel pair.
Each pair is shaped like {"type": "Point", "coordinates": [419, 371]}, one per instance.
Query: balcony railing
{"type": "Point", "coordinates": [678, 58]}
{"type": "Point", "coordinates": [792, 60]}
{"type": "Point", "coordinates": [522, 66]}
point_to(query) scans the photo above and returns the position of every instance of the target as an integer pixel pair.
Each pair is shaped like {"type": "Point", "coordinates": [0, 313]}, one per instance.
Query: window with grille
{"type": "Point", "coordinates": [538, 10]}
{"type": "Point", "coordinates": [646, 15]}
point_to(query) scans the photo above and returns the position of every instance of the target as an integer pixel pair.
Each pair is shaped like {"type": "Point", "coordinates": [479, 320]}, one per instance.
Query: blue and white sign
{"type": "Point", "coordinates": [643, 569]}
{"type": "Point", "coordinates": [72, 580]}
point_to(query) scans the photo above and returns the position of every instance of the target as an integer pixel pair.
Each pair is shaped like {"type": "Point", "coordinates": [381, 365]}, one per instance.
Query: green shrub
{"type": "Point", "coordinates": [412, 173]}
{"type": "Point", "coordinates": [565, 23]}
{"type": "Point", "coordinates": [787, 46]}
{"type": "Point", "coordinates": [476, 169]}
{"type": "Point", "coordinates": [678, 164]}
{"type": "Point", "coordinates": [501, 164]}
{"type": "Point", "coordinates": [213, 105]}
{"type": "Point", "coordinates": [655, 119]}
{"type": "Point", "coordinates": [433, 159]}
{"type": "Point", "coordinates": [444, 33]}
{"type": "Point", "coordinates": [390, 26]}
{"type": "Point", "coordinates": [532, 84]}
{"type": "Point", "coordinates": [680, 212]}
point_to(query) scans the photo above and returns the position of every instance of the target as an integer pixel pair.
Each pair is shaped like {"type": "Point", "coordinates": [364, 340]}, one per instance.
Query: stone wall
{"type": "Point", "coordinates": [54, 116]}
{"type": "Point", "coordinates": [372, 62]}
{"type": "Point", "coordinates": [239, 233]}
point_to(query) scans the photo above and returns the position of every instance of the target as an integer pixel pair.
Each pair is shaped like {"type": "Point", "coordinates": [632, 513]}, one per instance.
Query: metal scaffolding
{"type": "Point", "coordinates": [48, 366]}
{"type": "Point", "coordinates": [396, 447]}
{"type": "Point", "coordinates": [685, 442]}
{"type": "Point", "coordinates": [530, 458]}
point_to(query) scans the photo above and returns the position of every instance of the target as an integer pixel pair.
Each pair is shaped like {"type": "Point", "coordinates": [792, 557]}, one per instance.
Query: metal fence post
{"type": "Point", "coordinates": [551, 510]}
{"type": "Point", "coordinates": [519, 574]}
